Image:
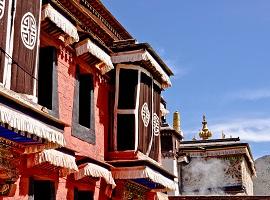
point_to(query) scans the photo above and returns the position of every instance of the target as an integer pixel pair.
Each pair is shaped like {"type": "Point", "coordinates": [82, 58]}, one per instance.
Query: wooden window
{"type": "Point", "coordinates": [137, 104]}
{"type": "Point", "coordinates": [47, 78]}
{"type": "Point", "coordinates": [128, 80]}
{"type": "Point", "coordinates": [166, 143]}
{"type": "Point", "coordinates": [83, 108]}
{"type": "Point", "coordinates": [41, 190]}
{"type": "Point", "coordinates": [126, 106]}
{"type": "Point", "coordinates": [125, 132]}
{"type": "Point", "coordinates": [83, 195]}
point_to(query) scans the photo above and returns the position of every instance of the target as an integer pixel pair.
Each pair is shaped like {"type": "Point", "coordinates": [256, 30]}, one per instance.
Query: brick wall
{"type": "Point", "coordinates": [66, 87]}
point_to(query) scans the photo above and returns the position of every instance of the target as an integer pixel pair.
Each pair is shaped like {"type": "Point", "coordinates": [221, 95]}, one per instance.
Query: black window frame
{"type": "Point", "coordinates": [78, 191]}
{"type": "Point", "coordinates": [32, 183]}
{"type": "Point", "coordinates": [80, 131]}
{"type": "Point", "coordinates": [53, 109]}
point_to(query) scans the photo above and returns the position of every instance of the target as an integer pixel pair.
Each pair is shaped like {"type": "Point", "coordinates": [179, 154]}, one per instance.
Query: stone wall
{"type": "Point", "coordinates": [208, 176]}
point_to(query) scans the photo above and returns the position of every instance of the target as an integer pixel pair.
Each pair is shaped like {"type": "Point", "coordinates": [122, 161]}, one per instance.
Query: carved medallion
{"type": "Point", "coordinates": [29, 30]}
{"type": "Point", "coordinates": [156, 124]}
{"type": "Point", "coordinates": [145, 113]}
{"type": "Point", "coordinates": [2, 8]}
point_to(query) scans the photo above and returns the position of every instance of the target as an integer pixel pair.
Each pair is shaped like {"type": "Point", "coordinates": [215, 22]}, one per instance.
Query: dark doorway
{"type": "Point", "coordinates": [42, 190]}
{"type": "Point", "coordinates": [83, 195]}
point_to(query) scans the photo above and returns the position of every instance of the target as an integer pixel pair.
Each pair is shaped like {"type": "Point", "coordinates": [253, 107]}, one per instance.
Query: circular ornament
{"type": "Point", "coordinates": [156, 124]}
{"type": "Point", "coordinates": [145, 114]}
{"type": "Point", "coordinates": [29, 30]}
{"type": "Point", "coordinates": [2, 8]}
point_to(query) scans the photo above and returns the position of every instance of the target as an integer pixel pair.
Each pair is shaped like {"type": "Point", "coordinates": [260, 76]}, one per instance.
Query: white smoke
{"type": "Point", "coordinates": [204, 177]}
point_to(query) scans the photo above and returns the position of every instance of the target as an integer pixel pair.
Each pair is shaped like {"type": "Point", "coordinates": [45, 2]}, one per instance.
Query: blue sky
{"type": "Point", "coordinates": [220, 54]}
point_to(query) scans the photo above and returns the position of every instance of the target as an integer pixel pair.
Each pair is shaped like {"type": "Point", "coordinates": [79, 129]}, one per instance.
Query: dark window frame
{"type": "Point", "coordinates": [32, 183]}
{"type": "Point", "coordinates": [53, 109]}
{"type": "Point", "coordinates": [120, 106]}
{"type": "Point", "coordinates": [79, 131]}
{"type": "Point", "coordinates": [78, 191]}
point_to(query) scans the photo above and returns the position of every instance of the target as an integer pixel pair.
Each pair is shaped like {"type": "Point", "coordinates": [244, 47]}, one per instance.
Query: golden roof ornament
{"type": "Point", "coordinates": [176, 122]}
{"type": "Point", "coordinates": [205, 133]}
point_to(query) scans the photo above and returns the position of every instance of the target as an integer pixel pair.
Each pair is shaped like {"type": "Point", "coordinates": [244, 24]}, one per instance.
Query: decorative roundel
{"type": "Point", "coordinates": [145, 114]}
{"type": "Point", "coordinates": [2, 8]}
{"type": "Point", "coordinates": [29, 30]}
{"type": "Point", "coordinates": [156, 124]}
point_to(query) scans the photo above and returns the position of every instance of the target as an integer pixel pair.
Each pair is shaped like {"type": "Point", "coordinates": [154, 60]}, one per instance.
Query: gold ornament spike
{"type": "Point", "coordinates": [176, 122]}
{"type": "Point", "coordinates": [205, 133]}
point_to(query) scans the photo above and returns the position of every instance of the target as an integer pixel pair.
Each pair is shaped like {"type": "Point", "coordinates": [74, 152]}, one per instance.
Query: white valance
{"type": "Point", "coordinates": [162, 196]}
{"type": "Point", "coordinates": [163, 110]}
{"type": "Point", "coordinates": [87, 46]}
{"type": "Point", "coordinates": [22, 122]}
{"type": "Point", "coordinates": [143, 172]}
{"type": "Point", "coordinates": [142, 55]}
{"type": "Point", "coordinates": [94, 170]}
{"type": "Point", "coordinates": [57, 158]}
{"type": "Point", "coordinates": [60, 21]}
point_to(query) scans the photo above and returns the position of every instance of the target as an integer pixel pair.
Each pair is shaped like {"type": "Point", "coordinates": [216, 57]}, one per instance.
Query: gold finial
{"type": "Point", "coordinates": [223, 136]}
{"type": "Point", "coordinates": [176, 122]}
{"type": "Point", "coordinates": [205, 133]}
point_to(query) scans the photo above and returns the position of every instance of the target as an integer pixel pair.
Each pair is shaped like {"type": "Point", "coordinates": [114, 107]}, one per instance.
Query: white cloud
{"type": "Point", "coordinates": [251, 95]}
{"type": "Point", "coordinates": [255, 130]}
{"type": "Point", "coordinates": [247, 129]}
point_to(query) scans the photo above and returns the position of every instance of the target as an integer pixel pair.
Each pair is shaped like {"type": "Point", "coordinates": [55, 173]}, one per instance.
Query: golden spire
{"type": "Point", "coordinates": [205, 133]}
{"type": "Point", "coordinates": [176, 122]}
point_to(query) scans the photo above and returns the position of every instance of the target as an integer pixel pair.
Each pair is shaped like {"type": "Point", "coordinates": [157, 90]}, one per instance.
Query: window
{"type": "Point", "coordinates": [85, 96]}
{"type": "Point", "coordinates": [83, 108]}
{"type": "Point", "coordinates": [125, 132]}
{"type": "Point", "coordinates": [41, 190]}
{"type": "Point", "coordinates": [137, 104]}
{"type": "Point", "coordinates": [166, 143]}
{"type": "Point", "coordinates": [126, 105]}
{"type": "Point", "coordinates": [83, 195]}
{"type": "Point", "coordinates": [47, 78]}
{"type": "Point", "coordinates": [128, 80]}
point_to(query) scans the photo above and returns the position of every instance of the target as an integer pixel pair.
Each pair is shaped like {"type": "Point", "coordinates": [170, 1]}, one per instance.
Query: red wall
{"type": "Point", "coordinates": [66, 82]}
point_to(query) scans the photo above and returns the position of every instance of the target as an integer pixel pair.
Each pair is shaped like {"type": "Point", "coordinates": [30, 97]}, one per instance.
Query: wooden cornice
{"type": "Point", "coordinates": [89, 20]}
{"type": "Point", "coordinates": [108, 19]}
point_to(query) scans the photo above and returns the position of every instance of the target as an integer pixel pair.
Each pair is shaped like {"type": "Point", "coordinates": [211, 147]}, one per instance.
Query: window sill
{"type": "Point", "coordinates": [83, 133]}
{"type": "Point", "coordinates": [25, 102]}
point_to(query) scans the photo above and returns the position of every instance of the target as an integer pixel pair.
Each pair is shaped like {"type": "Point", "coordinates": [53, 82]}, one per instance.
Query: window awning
{"type": "Point", "coordinates": [142, 55]}
{"type": "Point", "coordinates": [162, 196]}
{"type": "Point", "coordinates": [163, 110]}
{"type": "Point", "coordinates": [60, 21]}
{"type": "Point", "coordinates": [57, 159]}
{"type": "Point", "coordinates": [87, 46]}
{"type": "Point", "coordinates": [143, 172]}
{"type": "Point", "coordinates": [27, 125]}
{"type": "Point", "coordinates": [94, 170]}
